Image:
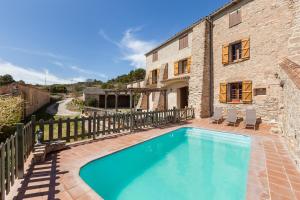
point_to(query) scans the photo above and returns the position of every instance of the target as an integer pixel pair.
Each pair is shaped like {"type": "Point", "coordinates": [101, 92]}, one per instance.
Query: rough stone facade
{"type": "Point", "coordinates": [290, 117]}
{"type": "Point", "coordinates": [167, 56]}
{"type": "Point", "coordinates": [199, 78]}
{"type": "Point", "coordinates": [272, 28]}
{"type": "Point", "coordinates": [267, 24]}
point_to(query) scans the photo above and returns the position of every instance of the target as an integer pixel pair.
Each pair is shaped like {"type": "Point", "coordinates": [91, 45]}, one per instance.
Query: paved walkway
{"type": "Point", "coordinates": [272, 174]}
{"type": "Point", "coordinates": [60, 108]}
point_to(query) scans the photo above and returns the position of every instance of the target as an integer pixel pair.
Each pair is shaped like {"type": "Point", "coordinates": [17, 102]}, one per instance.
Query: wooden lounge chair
{"type": "Point", "coordinates": [232, 116]}
{"type": "Point", "coordinates": [250, 119]}
{"type": "Point", "coordinates": [218, 115]}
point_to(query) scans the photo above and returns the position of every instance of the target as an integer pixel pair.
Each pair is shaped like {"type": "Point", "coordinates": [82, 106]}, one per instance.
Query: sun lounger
{"type": "Point", "coordinates": [232, 116]}
{"type": "Point", "coordinates": [218, 115]}
{"type": "Point", "coordinates": [250, 119]}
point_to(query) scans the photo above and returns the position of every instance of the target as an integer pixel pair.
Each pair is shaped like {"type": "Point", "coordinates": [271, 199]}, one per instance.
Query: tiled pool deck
{"type": "Point", "coordinates": [272, 174]}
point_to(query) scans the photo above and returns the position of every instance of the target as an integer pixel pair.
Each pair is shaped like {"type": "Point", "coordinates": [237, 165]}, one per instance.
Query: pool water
{"type": "Point", "coordinates": [185, 164]}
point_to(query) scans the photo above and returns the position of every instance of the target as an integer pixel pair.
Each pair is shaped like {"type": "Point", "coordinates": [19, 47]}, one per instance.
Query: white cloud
{"type": "Point", "coordinates": [133, 49]}
{"type": "Point", "coordinates": [33, 76]}
{"type": "Point", "coordinates": [35, 53]}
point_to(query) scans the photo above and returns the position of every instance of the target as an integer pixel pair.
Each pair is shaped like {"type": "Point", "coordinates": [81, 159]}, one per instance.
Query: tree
{"type": "Point", "coordinates": [122, 80]}
{"type": "Point", "coordinates": [6, 79]}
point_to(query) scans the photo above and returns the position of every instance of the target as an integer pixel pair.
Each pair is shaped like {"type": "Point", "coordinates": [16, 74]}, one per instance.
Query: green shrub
{"type": "Point", "coordinates": [92, 102]}
{"type": "Point", "coordinates": [11, 112]}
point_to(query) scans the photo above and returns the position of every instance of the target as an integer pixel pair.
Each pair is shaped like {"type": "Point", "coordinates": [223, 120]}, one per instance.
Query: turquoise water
{"type": "Point", "coordinates": [185, 164]}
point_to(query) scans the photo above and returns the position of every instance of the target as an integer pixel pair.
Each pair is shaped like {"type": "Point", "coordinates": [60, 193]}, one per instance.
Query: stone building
{"type": "Point", "coordinates": [34, 98]}
{"type": "Point", "coordinates": [246, 53]}
{"type": "Point", "coordinates": [229, 58]}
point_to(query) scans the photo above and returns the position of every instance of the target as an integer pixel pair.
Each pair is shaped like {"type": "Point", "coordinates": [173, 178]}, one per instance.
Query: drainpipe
{"type": "Point", "coordinates": [211, 63]}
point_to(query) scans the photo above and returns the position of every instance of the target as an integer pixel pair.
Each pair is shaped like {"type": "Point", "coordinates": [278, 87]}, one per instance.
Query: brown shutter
{"type": "Point", "coordinates": [157, 75]}
{"type": "Point", "coordinates": [247, 92]}
{"type": "Point", "coordinates": [223, 93]}
{"type": "Point", "coordinates": [225, 54]}
{"type": "Point", "coordinates": [189, 63]}
{"type": "Point", "coordinates": [246, 48]}
{"type": "Point", "coordinates": [176, 68]}
{"type": "Point", "coordinates": [150, 77]}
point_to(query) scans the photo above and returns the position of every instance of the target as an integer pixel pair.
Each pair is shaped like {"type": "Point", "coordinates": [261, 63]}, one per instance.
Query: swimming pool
{"type": "Point", "coordinates": [188, 163]}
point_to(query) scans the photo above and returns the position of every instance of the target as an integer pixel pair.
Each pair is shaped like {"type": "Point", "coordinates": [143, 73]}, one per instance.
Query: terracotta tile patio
{"type": "Point", "coordinates": [272, 173]}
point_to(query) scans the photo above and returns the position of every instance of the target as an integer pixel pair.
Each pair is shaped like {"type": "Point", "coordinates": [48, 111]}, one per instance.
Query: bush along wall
{"type": "Point", "coordinates": [11, 112]}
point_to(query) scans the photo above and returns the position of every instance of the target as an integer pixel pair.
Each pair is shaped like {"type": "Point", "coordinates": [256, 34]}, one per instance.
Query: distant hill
{"type": "Point", "coordinates": [122, 80]}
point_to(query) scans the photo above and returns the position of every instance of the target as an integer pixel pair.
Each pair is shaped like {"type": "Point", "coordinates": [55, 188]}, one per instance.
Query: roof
{"type": "Point", "coordinates": [189, 28]}
{"type": "Point", "coordinates": [97, 91]}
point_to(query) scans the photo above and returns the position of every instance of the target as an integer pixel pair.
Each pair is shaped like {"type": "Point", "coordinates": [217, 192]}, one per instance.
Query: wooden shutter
{"type": "Point", "coordinates": [150, 77]}
{"type": "Point", "coordinates": [247, 92]}
{"type": "Point", "coordinates": [225, 54]}
{"type": "Point", "coordinates": [223, 93]}
{"type": "Point", "coordinates": [189, 63]}
{"type": "Point", "coordinates": [157, 78]}
{"type": "Point", "coordinates": [246, 48]}
{"type": "Point", "coordinates": [176, 68]}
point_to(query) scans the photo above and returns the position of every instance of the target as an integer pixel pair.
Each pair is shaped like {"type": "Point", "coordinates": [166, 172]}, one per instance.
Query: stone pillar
{"type": "Point", "coordinates": [105, 101]}
{"type": "Point", "coordinates": [147, 95]}
{"type": "Point", "coordinates": [165, 99]}
{"type": "Point", "coordinates": [130, 100]}
{"type": "Point", "coordinates": [116, 101]}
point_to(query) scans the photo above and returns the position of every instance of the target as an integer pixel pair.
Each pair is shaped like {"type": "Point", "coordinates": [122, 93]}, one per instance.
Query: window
{"type": "Point", "coordinates": [235, 51]}
{"type": "Point", "coordinates": [183, 42]}
{"type": "Point", "coordinates": [182, 66]}
{"type": "Point", "coordinates": [236, 92]}
{"type": "Point", "coordinates": [235, 18]}
{"type": "Point", "coordinates": [155, 56]}
{"type": "Point", "coordinates": [154, 76]}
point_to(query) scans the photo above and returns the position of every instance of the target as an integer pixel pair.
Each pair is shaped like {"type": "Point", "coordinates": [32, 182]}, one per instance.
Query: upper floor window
{"type": "Point", "coordinates": [235, 18]}
{"type": "Point", "coordinates": [183, 42]}
{"type": "Point", "coordinates": [155, 56]}
{"type": "Point", "coordinates": [236, 51]}
{"type": "Point", "coordinates": [182, 66]}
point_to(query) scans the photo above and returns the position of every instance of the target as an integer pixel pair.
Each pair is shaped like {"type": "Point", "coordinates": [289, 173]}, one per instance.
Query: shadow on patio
{"type": "Point", "coordinates": [40, 181]}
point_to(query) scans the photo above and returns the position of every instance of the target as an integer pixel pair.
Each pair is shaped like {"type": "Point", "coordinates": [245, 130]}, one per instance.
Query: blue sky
{"type": "Point", "coordinates": [72, 40]}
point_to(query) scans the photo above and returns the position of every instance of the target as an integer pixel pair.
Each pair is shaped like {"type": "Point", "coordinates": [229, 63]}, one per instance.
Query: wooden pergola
{"type": "Point", "coordinates": [131, 92]}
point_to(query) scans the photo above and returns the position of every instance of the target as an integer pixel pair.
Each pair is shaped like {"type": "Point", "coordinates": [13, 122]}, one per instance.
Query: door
{"type": "Point", "coordinates": [184, 96]}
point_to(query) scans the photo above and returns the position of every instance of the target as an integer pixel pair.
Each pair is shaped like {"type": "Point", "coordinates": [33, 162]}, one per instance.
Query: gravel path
{"type": "Point", "coordinates": [59, 108]}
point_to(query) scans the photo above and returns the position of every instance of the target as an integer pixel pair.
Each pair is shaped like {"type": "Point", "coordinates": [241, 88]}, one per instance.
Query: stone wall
{"type": "Point", "coordinates": [198, 76]}
{"type": "Point", "coordinates": [267, 24]}
{"type": "Point", "coordinates": [290, 118]}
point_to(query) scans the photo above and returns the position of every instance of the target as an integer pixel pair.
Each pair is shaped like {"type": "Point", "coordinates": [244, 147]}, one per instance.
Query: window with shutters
{"type": "Point", "coordinates": [236, 92]}
{"type": "Point", "coordinates": [235, 18]}
{"type": "Point", "coordinates": [182, 66]}
{"type": "Point", "coordinates": [155, 56]}
{"type": "Point", "coordinates": [236, 51]}
{"type": "Point", "coordinates": [183, 42]}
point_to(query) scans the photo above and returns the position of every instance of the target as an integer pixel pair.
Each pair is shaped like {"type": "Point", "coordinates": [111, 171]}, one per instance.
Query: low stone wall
{"type": "Point", "coordinates": [290, 122]}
